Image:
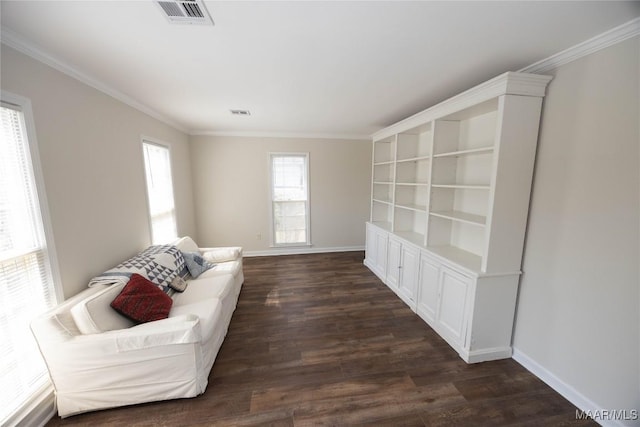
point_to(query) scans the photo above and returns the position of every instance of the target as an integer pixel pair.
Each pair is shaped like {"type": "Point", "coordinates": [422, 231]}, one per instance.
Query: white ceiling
{"type": "Point", "coordinates": [325, 68]}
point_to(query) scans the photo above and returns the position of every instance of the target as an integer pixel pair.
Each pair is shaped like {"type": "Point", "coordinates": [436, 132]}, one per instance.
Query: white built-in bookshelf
{"type": "Point", "coordinates": [450, 195]}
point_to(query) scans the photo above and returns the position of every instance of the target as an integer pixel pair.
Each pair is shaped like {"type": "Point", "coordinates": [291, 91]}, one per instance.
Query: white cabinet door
{"type": "Point", "coordinates": [370, 252]}
{"type": "Point", "coordinates": [452, 310]}
{"type": "Point", "coordinates": [409, 262]}
{"type": "Point", "coordinates": [394, 263]}
{"type": "Point", "coordinates": [376, 251]}
{"type": "Point", "coordinates": [428, 288]}
{"type": "Point", "coordinates": [382, 238]}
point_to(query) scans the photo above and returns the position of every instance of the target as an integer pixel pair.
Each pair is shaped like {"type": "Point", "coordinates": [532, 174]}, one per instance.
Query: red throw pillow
{"type": "Point", "coordinates": [142, 301]}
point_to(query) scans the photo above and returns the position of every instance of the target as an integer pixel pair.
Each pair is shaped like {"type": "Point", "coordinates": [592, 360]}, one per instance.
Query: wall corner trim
{"type": "Point", "coordinates": [269, 134]}
{"type": "Point", "coordinates": [565, 390]}
{"type": "Point", "coordinates": [608, 38]}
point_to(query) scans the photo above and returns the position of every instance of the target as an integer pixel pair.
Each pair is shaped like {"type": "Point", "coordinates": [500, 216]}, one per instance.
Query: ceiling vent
{"type": "Point", "coordinates": [185, 12]}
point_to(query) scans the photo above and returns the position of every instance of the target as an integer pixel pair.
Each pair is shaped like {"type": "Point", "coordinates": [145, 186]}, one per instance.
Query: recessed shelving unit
{"type": "Point", "coordinates": [411, 195]}
{"type": "Point", "coordinates": [383, 192]}
{"type": "Point", "coordinates": [411, 220]}
{"type": "Point", "coordinates": [413, 172]}
{"type": "Point", "coordinates": [449, 204]}
{"type": "Point", "coordinates": [414, 144]}
{"type": "Point", "coordinates": [384, 151]}
{"type": "Point", "coordinates": [462, 236]}
{"type": "Point", "coordinates": [383, 173]}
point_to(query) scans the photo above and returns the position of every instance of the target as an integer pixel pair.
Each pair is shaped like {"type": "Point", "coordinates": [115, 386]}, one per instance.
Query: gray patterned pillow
{"type": "Point", "coordinates": [196, 264]}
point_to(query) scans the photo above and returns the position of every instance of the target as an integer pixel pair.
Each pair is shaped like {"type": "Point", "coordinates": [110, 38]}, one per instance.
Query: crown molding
{"type": "Point", "coordinates": [615, 35]}
{"type": "Point", "coordinates": [490, 88]}
{"type": "Point", "coordinates": [9, 38]}
{"type": "Point", "coordinates": [19, 43]}
{"type": "Point", "coordinates": [264, 134]}
{"type": "Point", "coordinates": [508, 83]}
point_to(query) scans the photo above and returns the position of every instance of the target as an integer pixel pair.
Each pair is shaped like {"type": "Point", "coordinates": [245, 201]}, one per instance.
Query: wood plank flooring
{"type": "Point", "coordinates": [319, 340]}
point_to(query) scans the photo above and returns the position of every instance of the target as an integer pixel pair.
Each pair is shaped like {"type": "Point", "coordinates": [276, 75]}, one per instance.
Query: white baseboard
{"type": "Point", "coordinates": [487, 354]}
{"type": "Point", "coordinates": [571, 394]}
{"type": "Point", "coordinates": [298, 251]}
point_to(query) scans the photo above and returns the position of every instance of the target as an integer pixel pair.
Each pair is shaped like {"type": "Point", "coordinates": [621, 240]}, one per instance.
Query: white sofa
{"type": "Point", "coordinates": [98, 359]}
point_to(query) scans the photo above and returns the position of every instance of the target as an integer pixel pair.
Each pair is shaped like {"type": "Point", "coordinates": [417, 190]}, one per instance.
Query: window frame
{"type": "Point", "coordinates": [39, 407]}
{"type": "Point", "coordinates": [152, 141]}
{"type": "Point", "coordinates": [272, 202]}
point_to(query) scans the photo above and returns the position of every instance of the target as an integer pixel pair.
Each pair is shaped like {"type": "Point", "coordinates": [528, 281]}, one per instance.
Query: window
{"type": "Point", "coordinates": [162, 208]}
{"type": "Point", "coordinates": [290, 199]}
{"type": "Point", "coordinates": [26, 280]}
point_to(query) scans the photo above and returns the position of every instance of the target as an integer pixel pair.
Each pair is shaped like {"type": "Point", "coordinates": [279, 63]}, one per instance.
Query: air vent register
{"type": "Point", "coordinates": [185, 12]}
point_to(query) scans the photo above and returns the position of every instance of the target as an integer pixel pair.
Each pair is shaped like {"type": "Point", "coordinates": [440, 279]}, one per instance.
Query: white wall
{"type": "Point", "coordinates": [231, 182]}
{"type": "Point", "coordinates": [92, 163]}
{"type": "Point", "coordinates": [578, 311]}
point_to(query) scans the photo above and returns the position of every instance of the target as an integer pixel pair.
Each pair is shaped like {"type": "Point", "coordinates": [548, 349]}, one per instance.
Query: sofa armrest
{"type": "Point", "coordinates": [120, 367]}
{"type": "Point", "coordinates": [58, 346]}
{"type": "Point", "coordinates": [222, 254]}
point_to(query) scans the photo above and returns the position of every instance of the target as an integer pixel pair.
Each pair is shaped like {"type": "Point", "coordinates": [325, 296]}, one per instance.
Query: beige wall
{"type": "Point", "coordinates": [231, 184]}
{"type": "Point", "coordinates": [578, 310]}
{"type": "Point", "coordinates": [91, 157]}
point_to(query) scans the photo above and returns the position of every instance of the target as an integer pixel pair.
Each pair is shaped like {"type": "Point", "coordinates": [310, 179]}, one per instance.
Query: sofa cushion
{"type": "Point", "coordinates": [186, 244]}
{"type": "Point", "coordinates": [93, 315]}
{"type": "Point", "coordinates": [142, 301]}
{"type": "Point", "coordinates": [196, 264]}
{"type": "Point", "coordinates": [200, 289]}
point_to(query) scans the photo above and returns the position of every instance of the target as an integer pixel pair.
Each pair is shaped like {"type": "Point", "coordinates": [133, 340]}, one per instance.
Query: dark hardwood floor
{"type": "Point", "coordinates": [319, 340]}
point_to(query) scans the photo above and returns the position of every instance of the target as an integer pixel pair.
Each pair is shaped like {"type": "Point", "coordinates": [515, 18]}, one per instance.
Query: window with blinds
{"type": "Point", "coordinates": [290, 199]}
{"type": "Point", "coordinates": [162, 208]}
{"type": "Point", "coordinates": [26, 284]}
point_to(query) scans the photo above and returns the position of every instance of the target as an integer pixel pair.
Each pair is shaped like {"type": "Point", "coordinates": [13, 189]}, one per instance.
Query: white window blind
{"type": "Point", "coordinates": [162, 208]}
{"type": "Point", "coordinates": [26, 285]}
{"type": "Point", "coordinates": [290, 199]}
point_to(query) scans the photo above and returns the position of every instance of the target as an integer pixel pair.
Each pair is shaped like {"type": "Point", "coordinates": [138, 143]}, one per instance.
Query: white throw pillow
{"type": "Point", "coordinates": [222, 255]}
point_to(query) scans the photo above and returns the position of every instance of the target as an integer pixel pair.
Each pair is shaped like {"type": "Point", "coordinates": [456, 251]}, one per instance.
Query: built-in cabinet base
{"type": "Point", "coordinates": [473, 312]}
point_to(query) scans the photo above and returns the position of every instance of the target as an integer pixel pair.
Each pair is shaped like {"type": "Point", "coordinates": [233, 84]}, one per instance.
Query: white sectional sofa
{"type": "Point", "coordinates": [99, 359]}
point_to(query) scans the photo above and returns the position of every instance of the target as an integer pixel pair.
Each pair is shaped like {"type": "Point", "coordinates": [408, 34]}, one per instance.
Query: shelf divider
{"type": "Point", "coordinates": [482, 150]}
{"type": "Point", "coordinates": [462, 186]}
{"type": "Point", "coordinates": [416, 208]}
{"type": "Point", "coordinates": [413, 159]}
{"type": "Point", "coordinates": [459, 216]}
